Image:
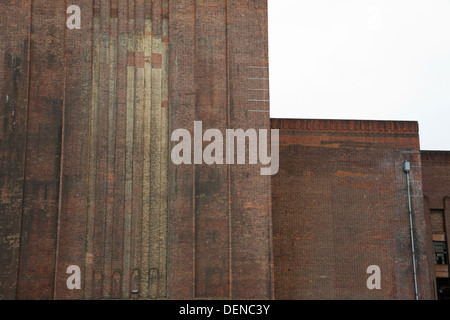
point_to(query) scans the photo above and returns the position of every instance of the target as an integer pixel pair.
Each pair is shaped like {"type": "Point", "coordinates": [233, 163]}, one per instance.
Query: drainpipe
{"type": "Point", "coordinates": [407, 169]}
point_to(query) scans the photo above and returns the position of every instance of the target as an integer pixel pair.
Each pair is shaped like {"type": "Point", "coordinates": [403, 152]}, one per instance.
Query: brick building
{"type": "Point", "coordinates": [340, 205]}
{"type": "Point", "coordinates": [86, 178]}
{"type": "Point", "coordinates": [436, 190]}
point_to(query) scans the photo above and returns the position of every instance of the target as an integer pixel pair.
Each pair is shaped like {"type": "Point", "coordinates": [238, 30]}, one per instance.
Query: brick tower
{"type": "Point", "coordinates": [86, 177]}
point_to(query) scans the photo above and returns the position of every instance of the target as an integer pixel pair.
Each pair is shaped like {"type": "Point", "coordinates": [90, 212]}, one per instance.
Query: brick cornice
{"type": "Point", "coordinates": [375, 126]}
{"type": "Point", "coordinates": [441, 156]}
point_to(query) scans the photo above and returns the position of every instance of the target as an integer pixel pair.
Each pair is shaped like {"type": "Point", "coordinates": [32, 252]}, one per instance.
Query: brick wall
{"type": "Point", "coordinates": [85, 144]}
{"type": "Point", "coordinates": [436, 177]}
{"type": "Point", "coordinates": [340, 205]}
{"type": "Point", "coordinates": [84, 150]}
{"type": "Point", "coordinates": [436, 189]}
{"type": "Point", "coordinates": [219, 215]}
{"type": "Point", "coordinates": [14, 50]}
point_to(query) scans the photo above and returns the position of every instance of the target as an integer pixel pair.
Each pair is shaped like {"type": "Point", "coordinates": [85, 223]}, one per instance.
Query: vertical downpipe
{"type": "Point", "coordinates": [407, 169]}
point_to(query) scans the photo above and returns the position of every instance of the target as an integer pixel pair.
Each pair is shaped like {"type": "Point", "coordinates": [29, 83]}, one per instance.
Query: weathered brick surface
{"type": "Point", "coordinates": [72, 219]}
{"type": "Point", "coordinates": [340, 205]}
{"type": "Point", "coordinates": [43, 151]}
{"type": "Point", "coordinates": [436, 181]}
{"type": "Point", "coordinates": [219, 217]}
{"type": "Point", "coordinates": [14, 48]}
{"type": "Point", "coordinates": [86, 177]}
{"type": "Point", "coordinates": [251, 221]}
{"type": "Point", "coordinates": [436, 190]}
{"type": "Point", "coordinates": [85, 181]}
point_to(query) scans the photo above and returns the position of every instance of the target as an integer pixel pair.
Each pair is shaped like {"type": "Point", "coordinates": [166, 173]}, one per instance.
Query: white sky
{"type": "Point", "coordinates": [363, 59]}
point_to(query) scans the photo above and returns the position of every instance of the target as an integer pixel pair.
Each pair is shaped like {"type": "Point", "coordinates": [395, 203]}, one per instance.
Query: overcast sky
{"type": "Point", "coordinates": [363, 59]}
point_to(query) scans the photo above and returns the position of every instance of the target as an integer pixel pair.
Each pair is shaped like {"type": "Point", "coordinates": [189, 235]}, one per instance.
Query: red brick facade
{"type": "Point", "coordinates": [86, 177]}
{"type": "Point", "coordinates": [85, 171]}
{"type": "Point", "coordinates": [340, 205]}
{"type": "Point", "coordinates": [219, 215]}
{"type": "Point", "coordinates": [436, 190]}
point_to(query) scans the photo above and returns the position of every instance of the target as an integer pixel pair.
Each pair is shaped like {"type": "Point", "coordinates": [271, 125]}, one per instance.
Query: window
{"type": "Point", "coordinates": [440, 252]}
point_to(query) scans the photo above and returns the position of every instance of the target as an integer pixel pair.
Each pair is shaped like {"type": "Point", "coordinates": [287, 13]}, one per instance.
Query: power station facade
{"type": "Point", "coordinates": [88, 182]}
